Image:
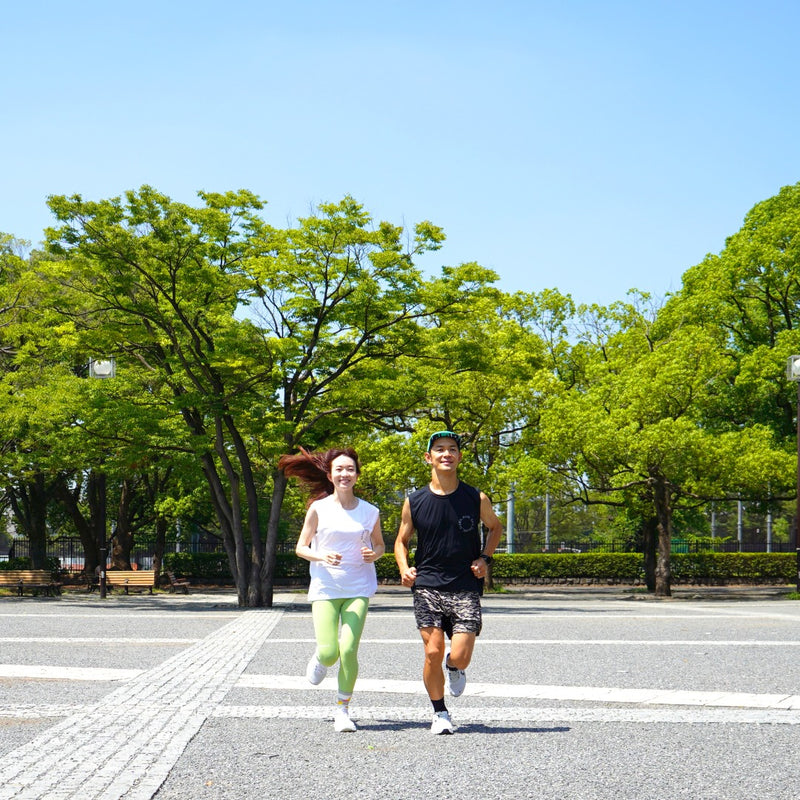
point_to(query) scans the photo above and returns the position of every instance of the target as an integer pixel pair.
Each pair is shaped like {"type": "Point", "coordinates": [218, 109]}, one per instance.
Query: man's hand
{"type": "Point", "coordinates": [479, 568]}
{"type": "Point", "coordinates": [409, 576]}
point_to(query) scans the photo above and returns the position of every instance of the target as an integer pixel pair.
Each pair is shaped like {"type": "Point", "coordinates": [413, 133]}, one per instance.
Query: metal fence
{"type": "Point", "coordinates": [536, 542]}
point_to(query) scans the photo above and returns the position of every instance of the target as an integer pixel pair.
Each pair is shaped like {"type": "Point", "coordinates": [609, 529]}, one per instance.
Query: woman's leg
{"type": "Point", "coordinates": [325, 614]}
{"type": "Point", "coordinates": [354, 615]}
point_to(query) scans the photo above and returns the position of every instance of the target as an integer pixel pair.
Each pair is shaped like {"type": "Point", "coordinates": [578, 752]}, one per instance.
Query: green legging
{"type": "Point", "coordinates": [331, 645]}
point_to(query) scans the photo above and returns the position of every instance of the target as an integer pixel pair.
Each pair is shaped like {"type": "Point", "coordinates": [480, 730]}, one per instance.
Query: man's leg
{"type": "Point", "coordinates": [461, 648]}
{"type": "Point", "coordinates": [465, 611]}
{"type": "Point", "coordinates": [432, 675]}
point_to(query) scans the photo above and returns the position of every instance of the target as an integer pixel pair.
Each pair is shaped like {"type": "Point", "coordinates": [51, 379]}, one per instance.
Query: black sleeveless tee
{"type": "Point", "coordinates": [448, 538]}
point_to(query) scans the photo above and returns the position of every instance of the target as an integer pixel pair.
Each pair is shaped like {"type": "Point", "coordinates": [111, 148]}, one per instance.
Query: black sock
{"type": "Point", "coordinates": [438, 705]}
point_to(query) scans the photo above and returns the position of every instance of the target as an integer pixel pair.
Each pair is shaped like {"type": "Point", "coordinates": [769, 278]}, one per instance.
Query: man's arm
{"type": "Point", "coordinates": [401, 546]}
{"type": "Point", "coordinates": [495, 527]}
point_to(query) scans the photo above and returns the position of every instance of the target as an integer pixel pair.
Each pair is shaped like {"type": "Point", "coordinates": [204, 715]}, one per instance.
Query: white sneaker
{"type": "Point", "coordinates": [315, 671]}
{"type": "Point", "coordinates": [441, 723]}
{"type": "Point", "coordinates": [342, 722]}
{"type": "Point", "coordinates": [456, 679]}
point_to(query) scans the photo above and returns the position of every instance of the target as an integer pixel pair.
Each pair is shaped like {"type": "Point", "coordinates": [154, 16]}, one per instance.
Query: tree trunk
{"type": "Point", "coordinates": [233, 513]}
{"type": "Point", "coordinates": [38, 522]}
{"type": "Point", "coordinates": [122, 543]}
{"type": "Point", "coordinates": [225, 516]}
{"type": "Point", "coordinates": [69, 500]}
{"type": "Point", "coordinates": [29, 503]}
{"type": "Point", "coordinates": [96, 495]}
{"type": "Point", "coordinates": [245, 562]}
{"type": "Point", "coordinates": [267, 576]}
{"type": "Point", "coordinates": [664, 517]}
{"type": "Point", "coordinates": [256, 594]}
{"type": "Point", "coordinates": [649, 540]}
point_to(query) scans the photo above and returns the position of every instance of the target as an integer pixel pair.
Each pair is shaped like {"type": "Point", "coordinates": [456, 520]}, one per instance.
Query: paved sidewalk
{"type": "Point", "coordinates": [571, 694]}
{"type": "Point", "coordinates": [125, 745]}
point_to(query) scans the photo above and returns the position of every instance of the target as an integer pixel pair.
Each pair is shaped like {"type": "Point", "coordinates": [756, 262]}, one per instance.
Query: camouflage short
{"type": "Point", "coordinates": [453, 612]}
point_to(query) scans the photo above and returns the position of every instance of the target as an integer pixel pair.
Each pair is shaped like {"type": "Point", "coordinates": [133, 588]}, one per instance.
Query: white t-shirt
{"type": "Point", "coordinates": [344, 531]}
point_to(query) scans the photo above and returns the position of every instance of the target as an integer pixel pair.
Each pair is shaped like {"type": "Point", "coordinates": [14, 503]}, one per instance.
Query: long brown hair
{"type": "Point", "coordinates": [312, 469]}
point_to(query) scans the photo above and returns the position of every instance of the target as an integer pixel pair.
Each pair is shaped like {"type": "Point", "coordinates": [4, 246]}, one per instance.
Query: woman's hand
{"type": "Point", "coordinates": [369, 555]}
{"type": "Point", "coordinates": [333, 559]}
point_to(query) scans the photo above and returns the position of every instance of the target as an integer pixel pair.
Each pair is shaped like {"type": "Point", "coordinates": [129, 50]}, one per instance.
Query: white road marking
{"type": "Point", "coordinates": [533, 718]}
{"type": "Point", "coordinates": [596, 694]}
{"type": "Point", "coordinates": [42, 672]}
{"type": "Point", "coordinates": [91, 640]}
{"type": "Point", "coordinates": [485, 642]}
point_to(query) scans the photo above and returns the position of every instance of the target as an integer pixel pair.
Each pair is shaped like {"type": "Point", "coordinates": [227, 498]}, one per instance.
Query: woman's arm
{"type": "Point", "coordinates": [308, 532]}
{"type": "Point", "coordinates": [378, 545]}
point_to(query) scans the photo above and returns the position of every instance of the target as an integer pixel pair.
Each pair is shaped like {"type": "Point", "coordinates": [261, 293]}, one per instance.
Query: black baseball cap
{"type": "Point", "coordinates": [442, 435]}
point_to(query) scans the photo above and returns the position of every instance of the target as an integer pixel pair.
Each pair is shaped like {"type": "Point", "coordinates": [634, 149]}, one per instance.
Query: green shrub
{"type": "Point", "coordinates": [723, 568]}
{"type": "Point", "coordinates": [687, 568]}
{"type": "Point", "coordinates": [534, 567]}
{"type": "Point", "coordinates": [202, 566]}
{"type": "Point", "coordinates": [611, 568]}
{"type": "Point", "coordinates": [24, 562]}
{"type": "Point", "coordinates": [16, 563]}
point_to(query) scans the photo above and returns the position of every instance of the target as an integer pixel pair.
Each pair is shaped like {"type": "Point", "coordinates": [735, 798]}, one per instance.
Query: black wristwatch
{"type": "Point", "coordinates": [486, 557]}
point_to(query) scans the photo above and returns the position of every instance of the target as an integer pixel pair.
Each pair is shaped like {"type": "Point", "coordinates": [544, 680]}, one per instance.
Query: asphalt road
{"type": "Point", "coordinates": [571, 694]}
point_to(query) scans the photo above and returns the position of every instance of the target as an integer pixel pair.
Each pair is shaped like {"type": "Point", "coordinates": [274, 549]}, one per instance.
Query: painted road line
{"type": "Point", "coordinates": [92, 640]}
{"type": "Point", "coordinates": [596, 694]}
{"type": "Point", "coordinates": [530, 718]}
{"type": "Point", "coordinates": [484, 641]}
{"type": "Point", "coordinates": [42, 672]}
{"type": "Point", "coordinates": [420, 712]}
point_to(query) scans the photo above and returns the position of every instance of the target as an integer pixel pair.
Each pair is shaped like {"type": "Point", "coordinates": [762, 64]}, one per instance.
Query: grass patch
{"type": "Point", "coordinates": [496, 588]}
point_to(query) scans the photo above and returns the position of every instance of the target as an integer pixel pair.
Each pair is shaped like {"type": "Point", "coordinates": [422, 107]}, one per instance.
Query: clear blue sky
{"type": "Point", "coordinates": [588, 146]}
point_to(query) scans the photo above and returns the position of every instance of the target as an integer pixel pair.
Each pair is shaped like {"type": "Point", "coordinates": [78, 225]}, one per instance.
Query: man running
{"type": "Point", "coordinates": [450, 565]}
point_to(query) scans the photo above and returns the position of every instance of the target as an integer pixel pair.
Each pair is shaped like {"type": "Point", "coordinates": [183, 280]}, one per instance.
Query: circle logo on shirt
{"type": "Point", "coordinates": [466, 524]}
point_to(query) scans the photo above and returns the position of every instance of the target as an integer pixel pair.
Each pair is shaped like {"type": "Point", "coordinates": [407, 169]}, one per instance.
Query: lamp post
{"type": "Point", "coordinates": [793, 374]}
{"type": "Point", "coordinates": [102, 368]}
{"type": "Point", "coordinates": [101, 524]}
{"type": "Point", "coordinates": [510, 521]}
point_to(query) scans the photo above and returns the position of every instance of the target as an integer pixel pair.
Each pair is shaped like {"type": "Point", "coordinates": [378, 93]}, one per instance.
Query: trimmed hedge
{"type": "Point", "coordinates": [687, 568]}
{"type": "Point", "coordinates": [537, 568]}
{"type": "Point", "coordinates": [575, 567]}
{"type": "Point", "coordinates": [723, 568]}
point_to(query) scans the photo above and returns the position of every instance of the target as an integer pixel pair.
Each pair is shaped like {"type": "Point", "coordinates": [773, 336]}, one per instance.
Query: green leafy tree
{"type": "Point", "coordinates": [28, 491]}
{"type": "Point", "coordinates": [751, 293]}
{"type": "Point", "coordinates": [632, 431]}
{"type": "Point", "coordinates": [258, 339]}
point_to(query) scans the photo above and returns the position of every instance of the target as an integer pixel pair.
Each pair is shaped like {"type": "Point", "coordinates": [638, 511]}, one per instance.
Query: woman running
{"type": "Point", "coordinates": [341, 538]}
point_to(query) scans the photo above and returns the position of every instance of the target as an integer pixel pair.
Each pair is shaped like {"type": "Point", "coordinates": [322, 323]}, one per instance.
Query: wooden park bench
{"type": "Point", "coordinates": [34, 579]}
{"type": "Point", "coordinates": [177, 583]}
{"type": "Point", "coordinates": [137, 579]}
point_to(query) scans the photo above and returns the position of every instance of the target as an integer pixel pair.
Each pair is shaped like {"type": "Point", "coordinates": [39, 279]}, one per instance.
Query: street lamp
{"type": "Point", "coordinates": [102, 368]}
{"type": "Point", "coordinates": [793, 374]}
